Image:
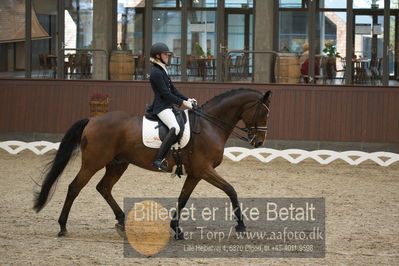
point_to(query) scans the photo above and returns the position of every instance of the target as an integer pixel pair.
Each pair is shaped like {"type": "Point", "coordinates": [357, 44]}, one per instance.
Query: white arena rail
{"type": "Point", "coordinates": [237, 154]}
{"type": "Point", "coordinates": [45, 146]}
{"type": "Point", "coordinates": [300, 155]}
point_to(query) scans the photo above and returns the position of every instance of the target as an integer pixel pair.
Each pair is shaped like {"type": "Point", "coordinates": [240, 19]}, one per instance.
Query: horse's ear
{"type": "Point", "coordinates": [266, 96]}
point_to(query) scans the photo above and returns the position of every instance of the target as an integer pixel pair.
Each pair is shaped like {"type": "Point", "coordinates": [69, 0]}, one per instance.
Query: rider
{"type": "Point", "coordinates": [166, 95]}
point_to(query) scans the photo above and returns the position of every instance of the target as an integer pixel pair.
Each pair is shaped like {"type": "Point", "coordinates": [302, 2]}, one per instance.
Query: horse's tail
{"type": "Point", "coordinates": [68, 144]}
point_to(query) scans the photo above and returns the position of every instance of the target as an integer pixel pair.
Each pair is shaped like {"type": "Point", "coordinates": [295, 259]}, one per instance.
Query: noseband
{"type": "Point", "coordinates": [258, 104]}
{"type": "Point", "coordinates": [221, 124]}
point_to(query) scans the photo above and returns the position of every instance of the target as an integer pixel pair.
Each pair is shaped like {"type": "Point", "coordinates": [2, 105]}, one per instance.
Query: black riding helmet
{"type": "Point", "coordinates": [159, 48]}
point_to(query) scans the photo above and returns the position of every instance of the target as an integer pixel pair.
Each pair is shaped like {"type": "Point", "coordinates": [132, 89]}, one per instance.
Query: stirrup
{"type": "Point", "coordinates": [159, 164]}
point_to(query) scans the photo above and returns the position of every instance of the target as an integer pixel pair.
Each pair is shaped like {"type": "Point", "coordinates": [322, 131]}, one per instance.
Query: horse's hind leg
{"type": "Point", "coordinates": [74, 188]}
{"type": "Point", "coordinates": [112, 174]}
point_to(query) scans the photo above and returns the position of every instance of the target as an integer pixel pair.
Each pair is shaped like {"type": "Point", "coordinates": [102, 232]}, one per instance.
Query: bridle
{"type": "Point", "coordinates": [223, 125]}
{"type": "Point", "coordinates": [259, 104]}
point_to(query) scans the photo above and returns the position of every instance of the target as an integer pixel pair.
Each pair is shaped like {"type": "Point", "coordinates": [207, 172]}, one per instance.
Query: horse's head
{"type": "Point", "coordinates": [255, 120]}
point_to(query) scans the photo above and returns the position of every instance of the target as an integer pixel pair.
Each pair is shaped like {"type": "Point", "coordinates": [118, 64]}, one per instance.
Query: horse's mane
{"type": "Point", "coordinates": [225, 94]}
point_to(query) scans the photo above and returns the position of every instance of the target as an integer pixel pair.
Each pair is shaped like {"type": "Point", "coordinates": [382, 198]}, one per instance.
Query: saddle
{"type": "Point", "coordinates": [154, 131]}
{"type": "Point", "coordinates": [163, 129]}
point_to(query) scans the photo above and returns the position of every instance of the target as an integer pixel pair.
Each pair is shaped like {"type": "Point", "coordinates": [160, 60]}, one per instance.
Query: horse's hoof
{"type": "Point", "coordinates": [120, 229]}
{"type": "Point", "coordinates": [179, 236]}
{"type": "Point", "coordinates": [62, 233]}
{"type": "Point", "coordinates": [241, 228]}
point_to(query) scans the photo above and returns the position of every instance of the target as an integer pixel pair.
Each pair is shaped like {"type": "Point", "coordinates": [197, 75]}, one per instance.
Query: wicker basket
{"type": "Point", "coordinates": [98, 107]}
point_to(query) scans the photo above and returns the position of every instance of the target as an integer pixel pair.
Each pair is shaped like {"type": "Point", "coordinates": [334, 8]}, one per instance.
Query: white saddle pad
{"type": "Point", "coordinates": [151, 134]}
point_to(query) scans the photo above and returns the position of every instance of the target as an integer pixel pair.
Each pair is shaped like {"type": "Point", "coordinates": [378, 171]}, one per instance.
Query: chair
{"type": "Point", "coordinates": [343, 70]}
{"type": "Point", "coordinates": [375, 71]}
{"type": "Point", "coordinates": [48, 63]}
{"type": "Point", "coordinates": [244, 70]}
{"type": "Point", "coordinates": [43, 65]}
{"type": "Point", "coordinates": [71, 66]}
{"type": "Point", "coordinates": [192, 66]}
{"type": "Point", "coordinates": [79, 66]}
{"type": "Point", "coordinates": [227, 67]}
{"type": "Point", "coordinates": [235, 67]}
{"type": "Point", "coordinates": [361, 71]}
{"type": "Point", "coordinates": [85, 65]}
{"type": "Point", "coordinates": [51, 61]}
{"type": "Point", "coordinates": [210, 68]}
{"type": "Point", "coordinates": [174, 66]}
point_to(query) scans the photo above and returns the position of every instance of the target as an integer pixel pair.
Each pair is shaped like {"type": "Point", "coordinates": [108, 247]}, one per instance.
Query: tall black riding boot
{"type": "Point", "coordinates": [163, 151]}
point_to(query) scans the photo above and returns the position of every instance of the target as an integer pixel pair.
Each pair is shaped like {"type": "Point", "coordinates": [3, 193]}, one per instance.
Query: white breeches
{"type": "Point", "coordinates": [169, 119]}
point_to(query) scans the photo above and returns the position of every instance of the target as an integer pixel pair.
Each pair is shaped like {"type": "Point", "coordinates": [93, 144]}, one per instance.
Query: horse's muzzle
{"type": "Point", "coordinates": [257, 144]}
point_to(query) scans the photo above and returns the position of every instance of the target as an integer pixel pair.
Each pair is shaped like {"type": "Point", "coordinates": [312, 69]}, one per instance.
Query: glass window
{"type": "Point", "coordinates": [333, 4]}
{"type": "Point", "coordinates": [130, 33]}
{"type": "Point", "coordinates": [44, 51]}
{"type": "Point", "coordinates": [201, 45]}
{"type": "Point", "coordinates": [394, 4]}
{"type": "Point", "coordinates": [290, 3]}
{"type": "Point", "coordinates": [239, 37]}
{"type": "Point", "coordinates": [333, 32]}
{"type": "Point", "coordinates": [236, 31]}
{"type": "Point", "coordinates": [201, 31]}
{"type": "Point", "coordinates": [239, 3]}
{"type": "Point", "coordinates": [251, 31]}
{"type": "Point", "coordinates": [130, 26]}
{"type": "Point", "coordinates": [164, 3]}
{"type": "Point", "coordinates": [78, 34]}
{"type": "Point", "coordinates": [12, 45]}
{"type": "Point", "coordinates": [294, 39]}
{"type": "Point", "coordinates": [166, 28]}
{"type": "Point", "coordinates": [392, 54]}
{"type": "Point", "coordinates": [372, 4]}
{"type": "Point", "coordinates": [204, 3]}
{"type": "Point", "coordinates": [12, 41]}
{"type": "Point", "coordinates": [368, 49]}
{"type": "Point", "coordinates": [293, 31]}
{"type": "Point", "coordinates": [79, 24]}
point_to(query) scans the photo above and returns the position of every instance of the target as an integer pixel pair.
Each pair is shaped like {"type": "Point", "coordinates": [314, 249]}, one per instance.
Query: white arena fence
{"type": "Point", "coordinates": [237, 153]}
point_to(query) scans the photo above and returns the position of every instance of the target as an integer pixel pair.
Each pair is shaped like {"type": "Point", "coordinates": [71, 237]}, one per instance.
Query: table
{"type": "Point", "coordinates": [51, 62]}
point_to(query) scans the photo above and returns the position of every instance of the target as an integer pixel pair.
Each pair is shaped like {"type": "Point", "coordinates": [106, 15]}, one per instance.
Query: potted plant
{"type": "Point", "coordinates": [208, 53]}
{"type": "Point", "coordinates": [330, 62]}
{"type": "Point", "coordinates": [99, 104]}
{"type": "Point", "coordinates": [200, 51]}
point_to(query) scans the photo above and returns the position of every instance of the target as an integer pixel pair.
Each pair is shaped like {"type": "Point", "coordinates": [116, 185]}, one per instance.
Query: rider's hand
{"type": "Point", "coordinates": [188, 104]}
{"type": "Point", "coordinates": [193, 101]}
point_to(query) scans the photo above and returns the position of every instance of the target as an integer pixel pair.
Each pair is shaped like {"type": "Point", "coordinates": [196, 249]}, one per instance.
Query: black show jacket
{"type": "Point", "coordinates": [165, 93]}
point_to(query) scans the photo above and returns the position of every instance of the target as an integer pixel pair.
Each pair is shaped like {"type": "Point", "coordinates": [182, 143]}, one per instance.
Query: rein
{"type": "Point", "coordinates": [222, 124]}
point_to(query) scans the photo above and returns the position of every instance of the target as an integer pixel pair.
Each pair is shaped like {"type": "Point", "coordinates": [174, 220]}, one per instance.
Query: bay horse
{"type": "Point", "coordinates": [114, 140]}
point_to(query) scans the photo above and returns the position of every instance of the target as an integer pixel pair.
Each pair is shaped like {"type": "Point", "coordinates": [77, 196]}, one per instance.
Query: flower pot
{"type": "Point", "coordinates": [330, 67]}
{"type": "Point", "coordinates": [98, 107]}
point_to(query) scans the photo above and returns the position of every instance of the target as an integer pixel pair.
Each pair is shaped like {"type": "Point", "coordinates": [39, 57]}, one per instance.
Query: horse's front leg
{"type": "Point", "coordinates": [188, 187]}
{"type": "Point", "coordinates": [215, 179]}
